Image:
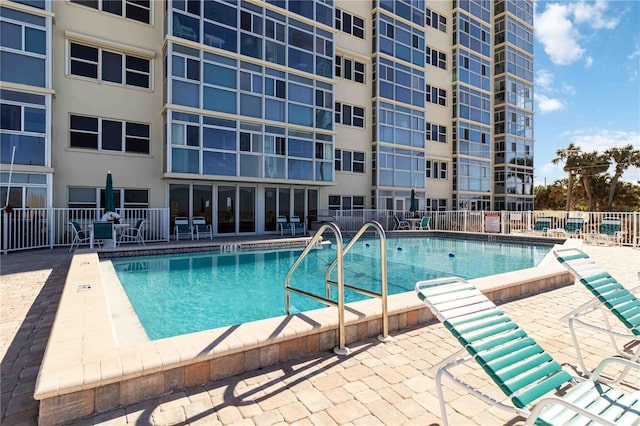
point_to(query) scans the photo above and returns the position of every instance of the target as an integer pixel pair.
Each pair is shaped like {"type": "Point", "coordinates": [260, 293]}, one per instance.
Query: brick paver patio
{"type": "Point", "coordinates": [379, 383]}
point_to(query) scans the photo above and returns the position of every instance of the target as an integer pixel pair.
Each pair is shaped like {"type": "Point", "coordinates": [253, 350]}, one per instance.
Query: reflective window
{"type": "Point", "coordinates": [108, 135]}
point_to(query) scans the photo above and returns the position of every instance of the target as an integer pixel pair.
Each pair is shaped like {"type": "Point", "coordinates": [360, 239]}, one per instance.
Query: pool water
{"type": "Point", "coordinates": [185, 293]}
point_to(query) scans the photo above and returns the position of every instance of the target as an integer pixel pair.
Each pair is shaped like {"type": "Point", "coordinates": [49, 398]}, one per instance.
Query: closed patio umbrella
{"type": "Point", "coordinates": [414, 202]}
{"type": "Point", "coordinates": [108, 194]}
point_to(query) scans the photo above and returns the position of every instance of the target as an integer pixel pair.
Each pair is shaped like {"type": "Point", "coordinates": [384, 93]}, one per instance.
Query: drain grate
{"type": "Point", "coordinates": [84, 287]}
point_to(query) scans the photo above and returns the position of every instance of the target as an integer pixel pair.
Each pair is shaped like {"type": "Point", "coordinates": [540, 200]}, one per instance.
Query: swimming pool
{"type": "Point", "coordinates": [185, 293]}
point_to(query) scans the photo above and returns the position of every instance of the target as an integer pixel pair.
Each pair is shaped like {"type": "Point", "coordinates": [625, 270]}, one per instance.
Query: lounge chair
{"type": "Point", "coordinates": [101, 231]}
{"type": "Point", "coordinates": [572, 227]}
{"type": "Point", "coordinates": [282, 225]}
{"type": "Point", "coordinates": [297, 225]}
{"type": "Point", "coordinates": [424, 223]}
{"type": "Point", "coordinates": [133, 234]}
{"type": "Point", "coordinates": [608, 232]}
{"type": "Point", "coordinates": [201, 228]}
{"type": "Point", "coordinates": [80, 236]}
{"type": "Point", "coordinates": [610, 298]}
{"type": "Point", "coordinates": [181, 227]}
{"type": "Point", "coordinates": [540, 227]}
{"type": "Point", "coordinates": [521, 368]}
{"type": "Point", "coordinates": [400, 224]}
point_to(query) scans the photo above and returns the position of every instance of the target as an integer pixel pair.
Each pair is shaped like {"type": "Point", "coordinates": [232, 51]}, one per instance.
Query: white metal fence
{"type": "Point", "coordinates": [49, 227]}
{"type": "Point", "coordinates": [503, 222]}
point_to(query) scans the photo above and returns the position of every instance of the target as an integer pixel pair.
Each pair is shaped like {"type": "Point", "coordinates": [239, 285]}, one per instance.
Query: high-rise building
{"type": "Point", "coordinates": [241, 111]}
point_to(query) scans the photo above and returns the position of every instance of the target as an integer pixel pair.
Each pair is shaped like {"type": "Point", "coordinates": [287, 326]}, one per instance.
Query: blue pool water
{"type": "Point", "coordinates": [178, 294]}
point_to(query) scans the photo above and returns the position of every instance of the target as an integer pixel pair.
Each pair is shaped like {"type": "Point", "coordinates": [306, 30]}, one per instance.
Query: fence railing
{"type": "Point", "coordinates": [49, 227]}
{"type": "Point", "coordinates": [502, 222]}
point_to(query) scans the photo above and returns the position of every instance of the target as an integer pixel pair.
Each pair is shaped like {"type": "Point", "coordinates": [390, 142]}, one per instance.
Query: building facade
{"type": "Point", "coordinates": [245, 111]}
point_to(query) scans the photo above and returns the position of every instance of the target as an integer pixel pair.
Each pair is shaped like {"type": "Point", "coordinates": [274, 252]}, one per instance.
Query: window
{"type": "Point", "coordinates": [92, 198]}
{"type": "Point", "coordinates": [349, 24]}
{"type": "Point", "coordinates": [349, 161]}
{"type": "Point", "coordinates": [433, 19]}
{"type": "Point", "coordinates": [104, 65]}
{"type": "Point", "coordinates": [436, 132]}
{"type": "Point", "coordinates": [23, 47]}
{"type": "Point", "coordinates": [436, 169]}
{"type": "Point", "coordinates": [436, 95]}
{"type": "Point", "coordinates": [436, 204]}
{"type": "Point", "coordinates": [108, 135]}
{"type": "Point", "coordinates": [349, 69]}
{"type": "Point", "coordinates": [349, 115]}
{"type": "Point", "coordinates": [138, 10]}
{"type": "Point", "coordinates": [23, 124]}
{"type": "Point", "coordinates": [346, 202]}
{"type": "Point", "coordinates": [436, 58]}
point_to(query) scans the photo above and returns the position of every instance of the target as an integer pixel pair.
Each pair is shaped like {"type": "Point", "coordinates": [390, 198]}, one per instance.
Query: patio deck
{"type": "Point", "coordinates": [378, 384]}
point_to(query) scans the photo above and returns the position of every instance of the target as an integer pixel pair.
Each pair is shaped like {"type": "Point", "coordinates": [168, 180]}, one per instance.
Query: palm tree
{"type": "Point", "coordinates": [590, 165]}
{"type": "Point", "coordinates": [568, 155]}
{"type": "Point", "coordinates": [624, 158]}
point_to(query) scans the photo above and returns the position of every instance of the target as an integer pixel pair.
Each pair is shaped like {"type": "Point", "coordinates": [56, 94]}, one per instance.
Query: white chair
{"type": "Point", "coordinates": [282, 224]}
{"type": "Point", "coordinates": [181, 227]}
{"type": "Point", "coordinates": [80, 236]}
{"type": "Point", "coordinates": [400, 224]}
{"type": "Point", "coordinates": [133, 234]}
{"type": "Point", "coordinates": [201, 228]}
{"type": "Point", "coordinates": [295, 223]}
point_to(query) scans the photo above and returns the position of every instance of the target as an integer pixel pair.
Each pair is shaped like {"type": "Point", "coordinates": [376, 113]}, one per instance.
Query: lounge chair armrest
{"type": "Point", "coordinates": [612, 360]}
{"type": "Point", "coordinates": [545, 402]}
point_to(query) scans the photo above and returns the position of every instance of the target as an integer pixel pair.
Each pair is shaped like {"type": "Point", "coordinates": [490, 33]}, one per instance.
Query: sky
{"type": "Point", "coordinates": [587, 87]}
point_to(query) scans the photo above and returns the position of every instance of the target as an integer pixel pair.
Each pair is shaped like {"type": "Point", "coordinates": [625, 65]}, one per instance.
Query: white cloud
{"type": "Point", "coordinates": [558, 35]}
{"type": "Point", "coordinates": [567, 88]}
{"type": "Point", "coordinates": [544, 79]}
{"type": "Point", "coordinates": [593, 14]}
{"type": "Point", "coordinates": [549, 173]}
{"type": "Point", "coordinates": [601, 139]}
{"type": "Point", "coordinates": [547, 104]}
{"type": "Point", "coordinates": [588, 61]}
{"type": "Point", "coordinates": [556, 28]}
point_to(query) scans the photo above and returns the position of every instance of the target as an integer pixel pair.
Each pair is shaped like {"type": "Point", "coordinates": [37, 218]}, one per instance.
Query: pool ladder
{"type": "Point", "coordinates": [341, 349]}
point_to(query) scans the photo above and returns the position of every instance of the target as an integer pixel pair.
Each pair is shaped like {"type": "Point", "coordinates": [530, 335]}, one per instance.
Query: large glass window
{"type": "Point", "coordinates": [138, 10]}
{"type": "Point", "coordinates": [102, 65]}
{"type": "Point", "coordinates": [108, 135]}
{"type": "Point", "coordinates": [23, 126]}
{"type": "Point", "coordinates": [23, 42]}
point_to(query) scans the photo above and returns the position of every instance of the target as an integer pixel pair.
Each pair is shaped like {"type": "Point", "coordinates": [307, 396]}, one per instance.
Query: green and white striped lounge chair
{"type": "Point", "coordinates": [611, 297]}
{"type": "Point", "coordinates": [521, 368]}
{"type": "Point", "coordinates": [541, 226]}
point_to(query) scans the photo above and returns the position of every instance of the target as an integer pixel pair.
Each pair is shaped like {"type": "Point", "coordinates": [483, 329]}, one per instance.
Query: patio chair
{"type": "Point", "coordinates": [521, 368]}
{"type": "Point", "coordinates": [133, 234]}
{"type": "Point", "coordinates": [608, 232]}
{"type": "Point", "coordinates": [181, 227]}
{"type": "Point", "coordinates": [610, 298]}
{"type": "Point", "coordinates": [424, 223]}
{"type": "Point", "coordinates": [295, 224]}
{"type": "Point", "coordinates": [541, 226]}
{"type": "Point", "coordinates": [282, 224]}
{"type": "Point", "coordinates": [80, 236]}
{"type": "Point", "coordinates": [572, 227]}
{"type": "Point", "coordinates": [102, 231]}
{"type": "Point", "coordinates": [201, 228]}
{"type": "Point", "coordinates": [400, 224]}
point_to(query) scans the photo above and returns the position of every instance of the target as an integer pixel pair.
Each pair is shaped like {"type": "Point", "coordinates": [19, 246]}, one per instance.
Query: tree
{"type": "Point", "coordinates": [588, 167]}
{"type": "Point", "coordinates": [568, 155]}
{"type": "Point", "coordinates": [623, 158]}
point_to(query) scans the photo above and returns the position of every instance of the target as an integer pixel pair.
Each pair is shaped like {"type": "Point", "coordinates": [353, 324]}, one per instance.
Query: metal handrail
{"type": "Point", "coordinates": [341, 349]}
{"type": "Point", "coordinates": [384, 337]}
